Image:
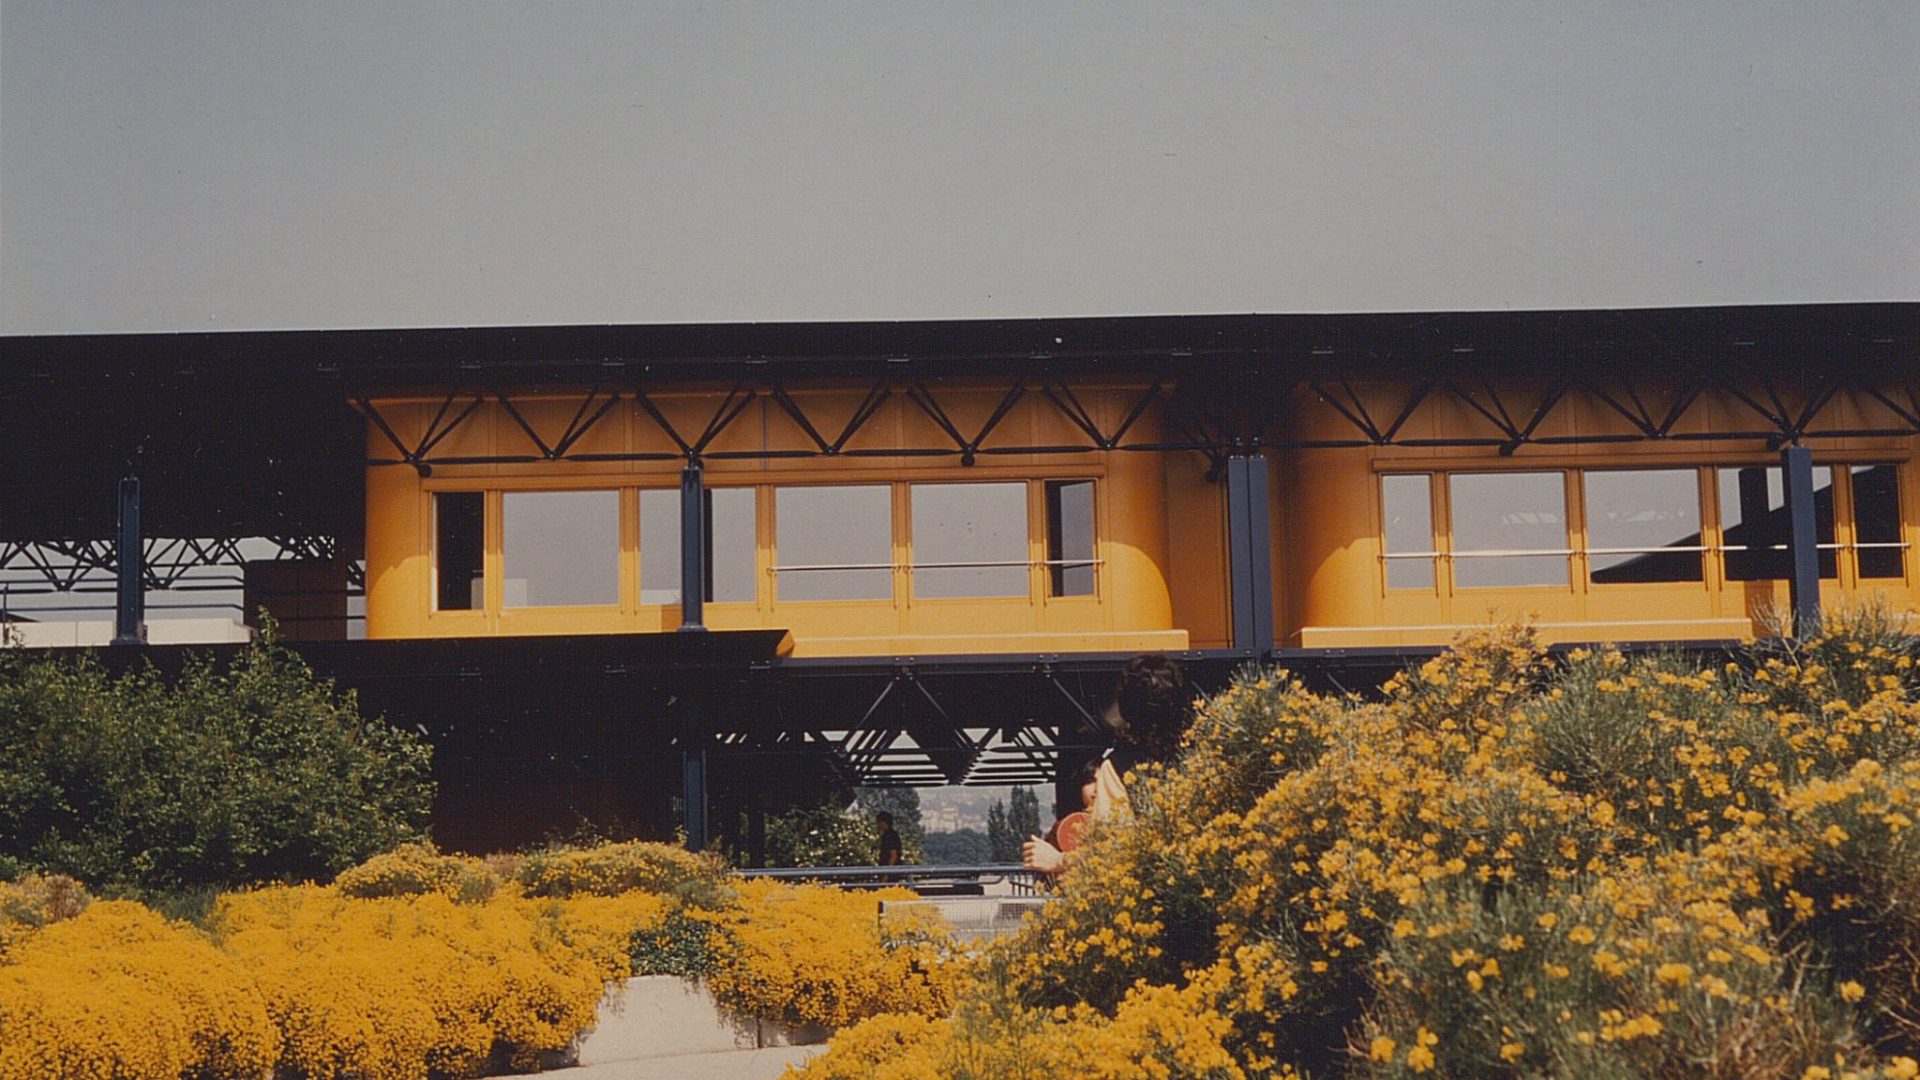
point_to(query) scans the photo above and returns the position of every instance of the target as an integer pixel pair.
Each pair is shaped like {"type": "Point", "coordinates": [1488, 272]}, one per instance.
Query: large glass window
{"type": "Point", "coordinates": [730, 545]}
{"type": "Point", "coordinates": [834, 543]}
{"type": "Point", "coordinates": [1070, 550]}
{"type": "Point", "coordinates": [1755, 527]}
{"type": "Point", "coordinates": [1509, 529]}
{"type": "Point", "coordinates": [560, 548]}
{"type": "Point", "coordinates": [1643, 526]}
{"type": "Point", "coordinates": [459, 542]}
{"type": "Point", "coordinates": [970, 540]}
{"type": "Point", "coordinates": [1876, 521]}
{"type": "Point", "coordinates": [1407, 511]}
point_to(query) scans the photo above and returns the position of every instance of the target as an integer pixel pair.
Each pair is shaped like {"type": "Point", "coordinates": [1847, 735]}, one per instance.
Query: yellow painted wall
{"type": "Point", "coordinates": [1134, 605]}
{"type": "Point", "coordinates": [1329, 547]}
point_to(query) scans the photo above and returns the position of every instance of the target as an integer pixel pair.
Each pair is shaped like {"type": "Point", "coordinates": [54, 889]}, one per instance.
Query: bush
{"type": "Point", "coordinates": [1503, 866]}
{"type": "Point", "coordinates": [699, 881]}
{"type": "Point", "coordinates": [117, 991]}
{"type": "Point", "coordinates": [36, 901]}
{"type": "Point", "coordinates": [813, 955]}
{"type": "Point", "coordinates": [254, 771]}
{"type": "Point", "coordinates": [419, 869]}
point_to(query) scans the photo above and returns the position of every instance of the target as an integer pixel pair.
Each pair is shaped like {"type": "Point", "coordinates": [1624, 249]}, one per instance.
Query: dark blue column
{"type": "Point", "coordinates": [1250, 552]}
{"type": "Point", "coordinates": [694, 737]}
{"type": "Point", "coordinates": [130, 590]}
{"type": "Point", "coordinates": [693, 549]}
{"type": "Point", "coordinates": [1803, 544]}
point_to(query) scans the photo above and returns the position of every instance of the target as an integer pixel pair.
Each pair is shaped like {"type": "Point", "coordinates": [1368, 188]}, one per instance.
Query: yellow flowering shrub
{"type": "Point", "coordinates": [808, 954]}
{"type": "Point", "coordinates": [697, 880]}
{"type": "Point", "coordinates": [1504, 864]}
{"type": "Point", "coordinates": [418, 869]}
{"type": "Point", "coordinates": [35, 901]}
{"type": "Point", "coordinates": [388, 989]}
{"type": "Point", "coordinates": [118, 993]}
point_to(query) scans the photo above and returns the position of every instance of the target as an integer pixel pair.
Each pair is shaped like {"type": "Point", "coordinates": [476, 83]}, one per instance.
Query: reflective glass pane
{"type": "Point", "coordinates": [459, 539]}
{"type": "Point", "coordinates": [1633, 516]}
{"type": "Point", "coordinates": [660, 546]}
{"type": "Point", "coordinates": [835, 543]}
{"type": "Point", "coordinates": [1754, 522]}
{"type": "Point", "coordinates": [560, 548]}
{"type": "Point", "coordinates": [1407, 513]}
{"type": "Point", "coordinates": [1876, 520]}
{"type": "Point", "coordinates": [730, 545]}
{"type": "Point", "coordinates": [1498, 519]}
{"type": "Point", "coordinates": [975, 524]}
{"type": "Point", "coordinates": [1070, 537]}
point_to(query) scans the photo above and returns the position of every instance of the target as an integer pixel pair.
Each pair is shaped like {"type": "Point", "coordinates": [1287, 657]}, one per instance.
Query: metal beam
{"type": "Point", "coordinates": [695, 737]}
{"type": "Point", "coordinates": [1803, 544]}
{"type": "Point", "coordinates": [694, 563]}
{"type": "Point", "coordinates": [1250, 552]}
{"type": "Point", "coordinates": [130, 589]}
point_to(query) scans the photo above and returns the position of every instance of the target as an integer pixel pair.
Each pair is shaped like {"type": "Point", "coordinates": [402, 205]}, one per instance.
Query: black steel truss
{"type": "Point", "coordinates": [168, 562]}
{"type": "Point", "coordinates": [1245, 411]}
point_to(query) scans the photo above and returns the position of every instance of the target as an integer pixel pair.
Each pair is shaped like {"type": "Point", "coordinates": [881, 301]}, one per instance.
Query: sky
{"type": "Point", "coordinates": [208, 165]}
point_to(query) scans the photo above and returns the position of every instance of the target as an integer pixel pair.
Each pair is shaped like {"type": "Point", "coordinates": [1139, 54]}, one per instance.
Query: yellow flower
{"type": "Point", "coordinates": [1382, 1049]}
{"type": "Point", "coordinates": [1512, 1051]}
{"type": "Point", "coordinates": [1852, 991]}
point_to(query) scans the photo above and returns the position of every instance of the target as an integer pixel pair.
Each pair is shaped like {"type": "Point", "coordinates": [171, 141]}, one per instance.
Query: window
{"type": "Point", "coordinates": [1644, 526]}
{"type": "Point", "coordinates": [834, 543]}
{"type": "Point", "coordinates": [1407, 513]}
{"type": "Point", "coordinates": [1509, 529]}
{"type": "Point", "coordinates": [1876, 521]}
{"type": "Point", "coordinates": [560, 548]}
{"type": "Point", "coordinates": [970, 540]}
{"type": "Point", "coordinates": [459, 541]}
{"type": "Point", "coordinates": [1070, 552]}
{"type": "Point", "coordinates": [730, 545]}
{"type": "Point", "coordinates": [660, 546]}
{"type": "Point", "coordinates": [1755, 528]}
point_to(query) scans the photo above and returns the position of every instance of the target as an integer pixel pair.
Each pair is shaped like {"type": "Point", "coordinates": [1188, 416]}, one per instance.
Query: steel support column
{"type": "Point", "coordinates": [1803, 544]}
{"type": "Point", "coordinates": [1250, 552]}
{"type": "Point", "coordinates": [693, 549]}
{"type": "Point", "coordinates": [130, 591]}
{"type": "Point", "coordinates": [695, 737]}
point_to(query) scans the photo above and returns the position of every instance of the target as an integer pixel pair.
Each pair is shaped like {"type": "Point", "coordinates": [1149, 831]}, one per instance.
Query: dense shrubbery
{"type": "Point", "coordinates": [255, 771]}
{"type": "Point", "coordinates": [1610, 866]}
{"type": "Point", "coordinates": [417, 964]}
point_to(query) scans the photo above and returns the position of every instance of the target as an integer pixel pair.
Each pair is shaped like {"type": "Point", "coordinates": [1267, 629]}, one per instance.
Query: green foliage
{"type": "Point", "coordinates": [823, 835]}
{"type": "Point", "coordinates": [961, 847]}
{"type": "Point", "coordinates": [250, 771]}
{"type": "Point", "coordinates": [1010, 823]}
{"type": "Point", "coordinates": [682, 944]}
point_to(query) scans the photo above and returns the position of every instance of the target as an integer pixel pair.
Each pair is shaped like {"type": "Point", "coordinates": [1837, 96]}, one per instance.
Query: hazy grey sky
{"type": "Point", "coordinates": [177, 166]}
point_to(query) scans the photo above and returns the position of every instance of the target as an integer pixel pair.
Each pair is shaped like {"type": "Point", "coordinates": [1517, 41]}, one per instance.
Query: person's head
{"type": "Point", "coordinates": [884, 820]}
{"type": "Point", "coordinates": [1088, 784]}
{"type": "Point", "coordinates": [1153, 703]}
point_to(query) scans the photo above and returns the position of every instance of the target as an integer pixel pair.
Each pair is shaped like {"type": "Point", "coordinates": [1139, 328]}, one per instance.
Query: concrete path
{"type": "Point", "coordinates": [765, 1064]}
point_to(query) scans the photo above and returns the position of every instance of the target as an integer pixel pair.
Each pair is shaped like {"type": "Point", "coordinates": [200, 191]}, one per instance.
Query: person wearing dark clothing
{"type": "Point", "coordinates": [891, 852]}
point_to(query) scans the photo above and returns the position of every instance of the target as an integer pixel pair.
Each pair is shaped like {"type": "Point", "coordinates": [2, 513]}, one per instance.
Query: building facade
{"type": "Point", "coordinates": [720, 556]}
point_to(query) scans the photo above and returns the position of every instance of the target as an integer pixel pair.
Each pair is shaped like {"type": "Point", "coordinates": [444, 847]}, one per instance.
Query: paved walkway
{"type": "Point", "coordinates": [765, 1064]}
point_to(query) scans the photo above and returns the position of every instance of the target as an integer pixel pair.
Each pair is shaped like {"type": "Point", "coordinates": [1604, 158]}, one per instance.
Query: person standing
{"type": "Point", "coordinates": [891, 851]}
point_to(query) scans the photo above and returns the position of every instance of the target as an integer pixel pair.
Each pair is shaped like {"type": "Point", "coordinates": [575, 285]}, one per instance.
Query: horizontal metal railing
{"type": "Point", "coordinates": [1023, 881]}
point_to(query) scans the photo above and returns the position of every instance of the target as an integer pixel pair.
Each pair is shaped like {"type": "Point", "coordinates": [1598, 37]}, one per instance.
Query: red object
{"type": "Point", "coordinates": [1071, 829]}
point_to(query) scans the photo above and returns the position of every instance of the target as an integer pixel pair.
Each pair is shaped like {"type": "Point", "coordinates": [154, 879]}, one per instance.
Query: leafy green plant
{"type": "Point", "coordinates": [249, 770]}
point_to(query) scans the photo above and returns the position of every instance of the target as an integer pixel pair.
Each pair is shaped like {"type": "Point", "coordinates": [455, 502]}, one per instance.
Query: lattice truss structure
{"type": "Point", "coordinates": [31, 570]}
{"type": "Point", "coordinates": [924, 723]}
{"type": "Point", "coordinates": [1251, 407]}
